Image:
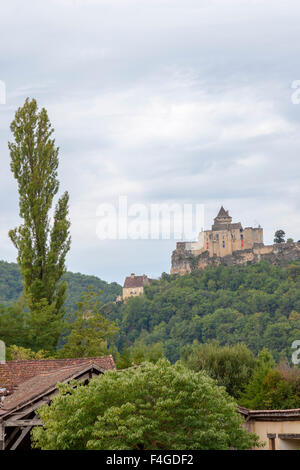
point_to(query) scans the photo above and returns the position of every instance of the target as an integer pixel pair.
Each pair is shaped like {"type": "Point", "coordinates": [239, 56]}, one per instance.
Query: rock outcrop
{"type": "Point", "coordinates": [185, 261]}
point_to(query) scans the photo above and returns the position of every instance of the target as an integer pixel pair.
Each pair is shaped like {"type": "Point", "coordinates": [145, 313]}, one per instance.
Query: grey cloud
{"type": "Point", "coordinates": [163, 101]}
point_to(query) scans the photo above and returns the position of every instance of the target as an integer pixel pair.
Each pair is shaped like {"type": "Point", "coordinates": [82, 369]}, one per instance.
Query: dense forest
{"type": "Point", "coordinates": [11, 286]}
{"type": "Point", "coordinates": [257, 304]}
{"type": "Point", "coordinates": [235, 323]}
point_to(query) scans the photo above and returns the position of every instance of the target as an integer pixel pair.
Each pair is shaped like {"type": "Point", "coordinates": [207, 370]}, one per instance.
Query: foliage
{"type": "Point", "coordinates": [257, 304]}
{"type": "Point", "coordinates": [139, 352]}
{"type": "Point", "coordinates": [89, 329]}
{"type": "Point", "coordinates": [253, 396]}
{"type": "Point", "coordinates": [17, 353]}
{"type": "Point", "coordinates": [11, 286]}
{"type": "Point", "coordinates": [11, 283]}
{"type": "Point", "coordinates": [279, 236]}
{"type": "Point", "coordinates": [13, 324]}
{"type": "Point", "coordinates": [42, 248]}
{"type": "Point", "coordinates": [44, 326]}
{"type": "Point", "coordinates": [38, 329]}
{"type": "Point", "coordinates": [79, 283]}
{"type": "Point", "coordinates": [273, 387]}
{"type": "Point", "coordinates": [231, 366]}
{"type": "Point", "coordinates": [154, 406]}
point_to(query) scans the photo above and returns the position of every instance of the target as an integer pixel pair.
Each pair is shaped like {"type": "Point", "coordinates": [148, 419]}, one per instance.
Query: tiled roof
{"type": "Point", "coordinates": [272, 415]}
{"type": "Point", "coordinates": [43, 383]}
{"type": "Point", "coordinates": [136, 281]}
{"type": "Point", "coordinates": [13, 373]}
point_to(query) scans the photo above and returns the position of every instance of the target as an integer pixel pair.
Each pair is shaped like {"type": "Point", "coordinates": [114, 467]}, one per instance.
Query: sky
{"type": "Point", "coordinates": [161, 102]}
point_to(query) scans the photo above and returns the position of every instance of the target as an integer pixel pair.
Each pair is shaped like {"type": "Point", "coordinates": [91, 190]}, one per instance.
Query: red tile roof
{"type": "Point", "coordinates": [43, 383]}
{"type": "Point", "coordinates": [13, 373]}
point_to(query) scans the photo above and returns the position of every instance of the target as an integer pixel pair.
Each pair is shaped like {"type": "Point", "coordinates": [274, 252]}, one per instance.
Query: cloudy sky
{"type": "Point", "coordinates": [161, 101]}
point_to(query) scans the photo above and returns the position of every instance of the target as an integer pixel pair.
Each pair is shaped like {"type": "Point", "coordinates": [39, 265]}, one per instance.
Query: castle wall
{"type": "Point", "coordinates": [225, 242]}
{"type": "Point", "coordinates": [251, 236]}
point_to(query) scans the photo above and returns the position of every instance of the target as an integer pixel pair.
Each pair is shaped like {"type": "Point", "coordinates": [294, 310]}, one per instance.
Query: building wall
{"type": "Point", "coordinates": [251, 236]}
{"type": "Point", "coordinates": [225, 242]}
{"type": "Point", "coordinates": [263, 428]}
{"type": "Point", "coordinates": [132, 292]}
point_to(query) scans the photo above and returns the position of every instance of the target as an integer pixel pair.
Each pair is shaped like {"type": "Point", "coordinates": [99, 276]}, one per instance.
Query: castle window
{"type": "Point", "coordinates": [242, 237]}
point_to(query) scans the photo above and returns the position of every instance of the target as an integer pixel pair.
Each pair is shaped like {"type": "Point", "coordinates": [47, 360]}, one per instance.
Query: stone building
{"type": "Point", "coordinates": [229, 244]}
{"type": "Point", "coordinates": [225, 237]}
{"type": "Point", "coordinates": [134, 285]}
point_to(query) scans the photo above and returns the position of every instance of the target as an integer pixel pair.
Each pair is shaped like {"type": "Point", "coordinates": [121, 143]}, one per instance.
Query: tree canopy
{"type": "Point", "coordinates": [257, 304]}
{"type": "Point", "coordinates": [42, 246]}
{"type": "Point", "coordinates": [279, 236]}
{"type": "Point", "coordinates": [11, 286]}
{"type": "Point", "coordinates": [154, 406]}
{"type": "Point", "coordinates": [231, 366]}
{"type": "Point", "coordinates": [272, 387]}
{"type": "Point", "coordinates": [89, 331]}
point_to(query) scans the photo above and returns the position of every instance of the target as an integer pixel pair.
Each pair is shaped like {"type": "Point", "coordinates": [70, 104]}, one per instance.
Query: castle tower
{"type": "Point", "coordinates": [223, 218]}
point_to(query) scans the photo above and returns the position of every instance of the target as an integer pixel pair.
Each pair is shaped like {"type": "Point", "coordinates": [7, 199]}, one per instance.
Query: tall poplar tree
{"type": "Point", "coordinates": [42, 244]}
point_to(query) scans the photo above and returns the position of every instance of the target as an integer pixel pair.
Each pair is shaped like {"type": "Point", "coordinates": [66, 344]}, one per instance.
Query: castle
{"type": "Point", "coordinates": [229, 243]}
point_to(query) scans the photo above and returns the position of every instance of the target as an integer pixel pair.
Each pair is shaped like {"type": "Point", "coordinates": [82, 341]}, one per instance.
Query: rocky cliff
{"type": "Point", "coordinates": [185, 261]}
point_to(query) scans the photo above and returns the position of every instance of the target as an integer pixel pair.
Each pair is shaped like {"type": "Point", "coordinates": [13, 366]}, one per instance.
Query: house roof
{"type": "Point", "coordinates": [136, 281]}
{"type": "Point", "coordinates": [45, 382]}
{"type": "Point", "coordinates": [13, 373]}
{"type": "Point", "coordinates": [270, 415]}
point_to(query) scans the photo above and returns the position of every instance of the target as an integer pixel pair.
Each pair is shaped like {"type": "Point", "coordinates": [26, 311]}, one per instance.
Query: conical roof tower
{"type": "Point", "coordinates": [223, 218]}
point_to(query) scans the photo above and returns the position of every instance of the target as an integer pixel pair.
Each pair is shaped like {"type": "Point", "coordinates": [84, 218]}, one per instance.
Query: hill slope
{"type": "Point", "coordinates": [11, 285]}
{"type": "Point", "coordinates": [257, 304]}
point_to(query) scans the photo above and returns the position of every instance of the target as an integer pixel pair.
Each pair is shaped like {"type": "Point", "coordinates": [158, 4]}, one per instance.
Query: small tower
{"type": "Point", "coordinates": [223, 218]}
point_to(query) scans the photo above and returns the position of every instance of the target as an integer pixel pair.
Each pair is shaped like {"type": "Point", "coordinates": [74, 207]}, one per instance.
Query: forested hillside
{"type": "Point", "coordinates": [256, 304]}
{"type": "Point", "coordinates": [11, 285]}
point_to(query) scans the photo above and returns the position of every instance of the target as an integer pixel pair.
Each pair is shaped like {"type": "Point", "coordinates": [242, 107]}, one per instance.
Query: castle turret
{"type": "Point", "coordinates": [223, 218]}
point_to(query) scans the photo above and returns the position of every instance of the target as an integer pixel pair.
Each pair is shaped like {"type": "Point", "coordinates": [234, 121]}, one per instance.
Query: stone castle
{"type": "Point", "coordinates": [229, 243]}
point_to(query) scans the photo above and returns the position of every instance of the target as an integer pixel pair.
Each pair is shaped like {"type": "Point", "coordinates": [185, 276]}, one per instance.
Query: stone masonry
{"type": "Point", "coordinates": [229, 244]}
